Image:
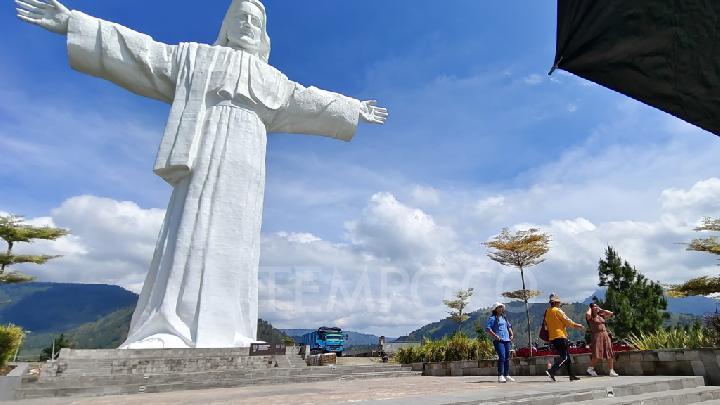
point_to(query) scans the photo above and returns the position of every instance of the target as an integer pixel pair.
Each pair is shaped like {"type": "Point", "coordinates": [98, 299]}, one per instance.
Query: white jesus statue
{"type": "Point", "coordinates": [201, 290]}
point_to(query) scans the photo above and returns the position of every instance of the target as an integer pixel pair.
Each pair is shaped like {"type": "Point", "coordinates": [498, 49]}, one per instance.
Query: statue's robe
{"type": "Point", "coordinates": [202, 286]}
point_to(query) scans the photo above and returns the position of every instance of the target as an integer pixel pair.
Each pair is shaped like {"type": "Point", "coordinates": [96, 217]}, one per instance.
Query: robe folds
{"type": "Point", "coordinates": [201, 290]}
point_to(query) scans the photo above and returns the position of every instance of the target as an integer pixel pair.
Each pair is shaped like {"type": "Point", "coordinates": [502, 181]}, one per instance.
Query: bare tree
{"type": "Point", "coordinates": [521, 249]}
{"type": "Point", "coordinates": [457, 306]}
{"type": "Point", "coordinates": [706, 285]}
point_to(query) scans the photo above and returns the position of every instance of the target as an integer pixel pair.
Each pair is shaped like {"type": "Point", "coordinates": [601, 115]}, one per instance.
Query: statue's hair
{"type": "Point", "coordinates": [264, 51]}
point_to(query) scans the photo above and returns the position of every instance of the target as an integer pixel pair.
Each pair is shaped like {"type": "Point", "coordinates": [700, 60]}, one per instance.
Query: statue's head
{"type": "Point", "coordinates": [245, 27]}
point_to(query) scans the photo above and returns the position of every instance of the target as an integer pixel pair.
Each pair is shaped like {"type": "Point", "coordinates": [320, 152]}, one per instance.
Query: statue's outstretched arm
{"type": "Point", "coordinates": [310, 110]}
{"type": "Point", "coordinates": [49, 14]}
{"type": "Point", "coordinates": [107, 50]}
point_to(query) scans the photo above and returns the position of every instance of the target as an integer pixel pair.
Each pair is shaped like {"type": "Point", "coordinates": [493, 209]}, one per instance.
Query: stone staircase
{"type": "Point", "coordinates": [624, 390]}
{"type": "Point", "coordinates": [114, 372]}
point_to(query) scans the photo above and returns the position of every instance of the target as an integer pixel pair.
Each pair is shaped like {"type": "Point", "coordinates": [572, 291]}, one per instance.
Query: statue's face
{"type": "Point", "coordinates": [245, 32]}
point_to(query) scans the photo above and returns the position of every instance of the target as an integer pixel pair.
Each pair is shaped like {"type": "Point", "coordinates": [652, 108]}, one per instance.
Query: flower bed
{"type": "Point", "coordinates": [524, 352]}
{"type": "Point", "coordinates": [698, 362]}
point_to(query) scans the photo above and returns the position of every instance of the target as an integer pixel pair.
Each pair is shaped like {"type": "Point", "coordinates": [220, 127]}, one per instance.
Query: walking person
{"type": "Point", "coordinates": [500, 330]}
{"type": "Point", "coordinates": [600, 342]}
{"type": "Point", "coordinates": [557, 322]}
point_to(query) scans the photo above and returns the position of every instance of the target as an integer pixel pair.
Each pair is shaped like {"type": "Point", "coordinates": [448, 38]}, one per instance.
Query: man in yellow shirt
{"type": "Point", "coordinates": [557, 322]}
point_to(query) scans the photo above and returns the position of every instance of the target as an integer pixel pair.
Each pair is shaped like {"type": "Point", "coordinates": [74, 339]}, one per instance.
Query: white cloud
{"type": "Point", "coordinates": [392, 230]}
{"type": "Point", "coordinates": [398, 262]}
{"type": "Point", "coordinates": [111, 242]}
{"type": "Point", "coordinates": [533, 79]}
{"type": "Point", "coordinates": [702, 197]}
{"type": "Point", "coordinates": [425, 196]}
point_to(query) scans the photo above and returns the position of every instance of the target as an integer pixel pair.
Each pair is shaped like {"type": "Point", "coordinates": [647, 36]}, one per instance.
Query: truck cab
{"type": "Point", "coordinates": [325, 340]}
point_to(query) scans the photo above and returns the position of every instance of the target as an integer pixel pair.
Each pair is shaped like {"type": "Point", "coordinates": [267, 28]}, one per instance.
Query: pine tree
{"type": "Point", "coordinates": [637, 302]}
{"type": "Point", "coordinates": [12, 231]}
{"type": "Point", "coordinates": [521, 250]}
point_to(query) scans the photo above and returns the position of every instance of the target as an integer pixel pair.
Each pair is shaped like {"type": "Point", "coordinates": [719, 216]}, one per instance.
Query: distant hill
{"type": "Point", "coordinates": [354, 338]}
{"type": "Point", "coordinates": [516, 316]}
{"type": "Point", "coordinates": [691, 305]}
{"type": "Point", "coordinates": [92, 316]}
{"type": "Point", "coordinates": [49, 307]}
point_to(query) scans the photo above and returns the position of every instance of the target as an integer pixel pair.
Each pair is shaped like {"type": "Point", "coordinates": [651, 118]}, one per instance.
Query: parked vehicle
{"type": "Point", "coordinates": [325, 340]}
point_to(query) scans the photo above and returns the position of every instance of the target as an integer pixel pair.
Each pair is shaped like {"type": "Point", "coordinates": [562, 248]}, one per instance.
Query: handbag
{"type": "Point", "coordinates": [544, 334]}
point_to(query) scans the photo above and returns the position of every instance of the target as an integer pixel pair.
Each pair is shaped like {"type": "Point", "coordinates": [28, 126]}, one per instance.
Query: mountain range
{"type": "Point", "coordinates": [98, 316]}
{"type": "Point", "coordinates": [92, 316]}
{"type": "Point", "coordinates": [682, 311]}
{"type": "Point", "coordinates": [690, 305]}
{"type": "Point", "coordinates": [353, 338]}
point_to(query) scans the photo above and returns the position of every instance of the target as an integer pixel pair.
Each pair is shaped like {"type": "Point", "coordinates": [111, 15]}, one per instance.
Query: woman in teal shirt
{"type": "Point", "coordinates": [500, 330]}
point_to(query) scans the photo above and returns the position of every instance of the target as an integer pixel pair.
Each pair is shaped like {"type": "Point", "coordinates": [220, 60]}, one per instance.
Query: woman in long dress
{"type": "Point", "coordinates": [600, 342]}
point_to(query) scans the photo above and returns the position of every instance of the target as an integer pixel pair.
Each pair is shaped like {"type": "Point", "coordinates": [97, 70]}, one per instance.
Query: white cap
{"type": "Point", "coordinates": [498, 304]}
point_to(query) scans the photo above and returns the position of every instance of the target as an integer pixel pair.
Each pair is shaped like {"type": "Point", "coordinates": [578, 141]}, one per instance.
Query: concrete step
{"type": "Point", "coordinates": [123, 379]}
{"type": "Point", "coordinates": [154, 386]}
{"type": "Point", "coordinates": [89, 366]}
{"type": "Point", "coordinates": [593, 389]}
{"type": "Point", "coordinates": [674, 397]}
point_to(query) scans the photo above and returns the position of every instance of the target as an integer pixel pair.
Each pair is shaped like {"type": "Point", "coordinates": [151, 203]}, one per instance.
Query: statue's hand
{"type": "Point", "coordinates": [49, 14]}
{"type": "Point", "coordinates": [370, 112]}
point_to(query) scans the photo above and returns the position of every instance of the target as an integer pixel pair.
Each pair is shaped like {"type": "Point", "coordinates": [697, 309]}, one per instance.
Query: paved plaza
{"type": "Point", "coordinates": [406, 390]}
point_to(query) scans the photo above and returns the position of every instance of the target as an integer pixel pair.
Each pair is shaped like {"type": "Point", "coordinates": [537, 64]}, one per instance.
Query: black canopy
{"type": "Point", "coordinates": [665, 53]}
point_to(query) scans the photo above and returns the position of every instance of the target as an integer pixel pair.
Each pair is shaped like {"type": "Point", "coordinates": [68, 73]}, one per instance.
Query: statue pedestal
{"type": "Point", "coordinates": [164, 361]}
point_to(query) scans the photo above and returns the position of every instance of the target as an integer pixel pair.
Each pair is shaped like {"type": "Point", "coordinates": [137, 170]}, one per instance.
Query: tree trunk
{"type": "Point", "coordinates": [527, 312]}
{"type": "Point", "coordinates": [9, 250]}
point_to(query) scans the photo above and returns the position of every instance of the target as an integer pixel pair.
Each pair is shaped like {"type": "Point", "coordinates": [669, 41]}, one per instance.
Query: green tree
{"type": "Point", "coordinates": [12, 231]}
{"type": "Point", "coordinates": [701, 285]}
{"type": "Point", "coordinates": [522, 249]}
{"type": "Point", "coordinates": [60, 342]}
{"type": "Point", "coordinates": [11, 337]}
{"type": "Point", "coordinates": [638, 303]}
{"type": "Point", "coordinates": [480, 331]}
{"type": "Point", "coordinates": [457, 306]}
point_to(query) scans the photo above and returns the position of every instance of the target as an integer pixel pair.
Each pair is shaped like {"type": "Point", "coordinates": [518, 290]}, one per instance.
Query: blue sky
{"type": "Point", "coordinates": [479, 138]}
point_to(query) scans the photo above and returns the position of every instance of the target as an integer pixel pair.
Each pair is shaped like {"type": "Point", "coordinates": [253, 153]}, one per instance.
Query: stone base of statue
{"type": "Point", "coordinates": [122, 372]}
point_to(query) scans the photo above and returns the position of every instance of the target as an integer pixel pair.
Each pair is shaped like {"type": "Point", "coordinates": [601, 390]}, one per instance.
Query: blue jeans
{"type": "Point", "coordinates": [503, 351]}
{"type": "Point", "coordinates": [563, 359]}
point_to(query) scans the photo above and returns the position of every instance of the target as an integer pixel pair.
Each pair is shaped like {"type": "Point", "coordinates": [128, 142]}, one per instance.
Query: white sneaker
{"type": "Point", "coordinates": [501, 379]}
{"type": "Point", "coordinates": [591, 371]}
{"type": "Point", "coordinates": [509, 379]}
{"type": "Point", "coordinates": [613, 374]}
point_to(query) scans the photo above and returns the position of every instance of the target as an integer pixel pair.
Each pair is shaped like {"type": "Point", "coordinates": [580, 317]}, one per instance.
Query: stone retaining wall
{"type": "Point", "coordinates": [12, 381]}
{"type": "Point", "coordinates": [324, 359]}
{"type": "Point", "coordinates": [681, 362]}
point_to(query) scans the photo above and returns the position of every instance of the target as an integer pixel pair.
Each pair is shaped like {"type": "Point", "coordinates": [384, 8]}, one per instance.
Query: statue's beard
{"type": "Point", "coordinates": [246, 42]}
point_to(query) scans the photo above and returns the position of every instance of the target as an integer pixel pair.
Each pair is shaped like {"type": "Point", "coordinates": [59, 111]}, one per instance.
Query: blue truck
{"type": "Point", "coordinates": [325, 340]}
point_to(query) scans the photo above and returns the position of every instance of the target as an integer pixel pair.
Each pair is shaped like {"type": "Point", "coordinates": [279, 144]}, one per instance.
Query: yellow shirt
{"type": "Point", "coordinates": [556, 322]}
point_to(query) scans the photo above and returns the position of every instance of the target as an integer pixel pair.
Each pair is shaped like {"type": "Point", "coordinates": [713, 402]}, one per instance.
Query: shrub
{"type": "Point", "coordinates": [60, 342]}
{"type": "Point", "coordinates": [679, 338]}
{"type": "Point", "coordinates": [712, 323]}
{"type": "Point", "coordinates": [450, 348]}
{"type": "Point", "coordinates": [10, 338]}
